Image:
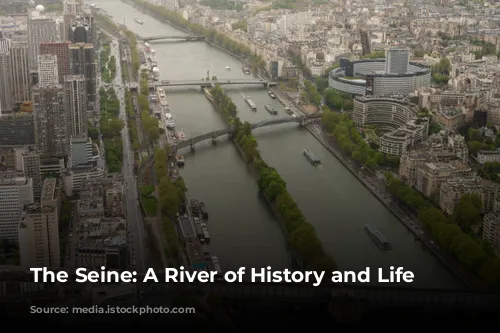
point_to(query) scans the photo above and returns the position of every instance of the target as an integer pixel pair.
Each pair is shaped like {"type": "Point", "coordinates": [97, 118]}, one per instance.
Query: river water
{"type": "Point", "coordinates": [244, 231]}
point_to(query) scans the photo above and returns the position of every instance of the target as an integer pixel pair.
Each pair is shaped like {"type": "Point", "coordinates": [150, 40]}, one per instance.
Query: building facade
{"type": "Point", "coordinates": [20, 71]}
{"type": "Point", "coordinates": [82, 62]}
{"type": "Point", "coordinates": [39, 230]}
{"type": "Point", "coordinates": [15, 193]}
{"type": "Point", "coordinates": [61, 50]}
{"type": "Point", "coordinates": [47, 70]}
{"type": "Point", "coordinates": [40, 30]}
{"type": "Point", "coordinates": [6, 101]}
{"type": "Point", "coordinates": [50, 120]}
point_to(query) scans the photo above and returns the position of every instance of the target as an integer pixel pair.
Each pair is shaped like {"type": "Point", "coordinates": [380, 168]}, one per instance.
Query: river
{"type": "Point", "coordinates": [244, 231]}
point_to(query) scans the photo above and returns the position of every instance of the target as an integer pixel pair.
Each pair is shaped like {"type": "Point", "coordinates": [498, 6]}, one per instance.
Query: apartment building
{"type": "Point", "coordinates": [405, 138]}
{"type": "Point", "coordinates": [50, 119]}
{"type": "Point", "coordinates": [39, 230]}
{"type": "Point", "coordinates": [20, 71]}
{"type": "Point", "coordinates": [15, 193]}
{"type": "Point", "coordinates": [101, 237]}
{"type": "Point", "coordinates": [491, 230]}
{"type": "Point", "coordinates": [48, 74]}
{"type": "Point", "coordinates": [485, 156]}
{"type": "Point", "coordinates": [18, 129]}
{"type": "Point", "coordinates": [31, 169]}
{"type": "Point", "coordinates": [438, 148]}
{"type": "Point", "coordinates": [454, 188]}
{"type": "Point", "coordinates": [61, 51]}
{"type": "Point", "coordinates": [430, 176]}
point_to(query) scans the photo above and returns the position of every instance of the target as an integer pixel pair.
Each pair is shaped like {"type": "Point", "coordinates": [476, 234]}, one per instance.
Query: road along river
{"type": "Point", "coordinates": [244, 231]}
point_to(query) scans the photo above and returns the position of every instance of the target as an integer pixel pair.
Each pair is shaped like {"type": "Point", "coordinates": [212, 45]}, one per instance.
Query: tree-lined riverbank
{"type": "Point", "coordinates": [301, 235]}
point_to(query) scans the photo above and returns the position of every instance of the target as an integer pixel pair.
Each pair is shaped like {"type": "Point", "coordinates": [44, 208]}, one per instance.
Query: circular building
{"type": "Point", "coordinates": [406, 130]}
{"type": "Point", "coordinates": [384, 111]}
{"type": "Point", "coordinates": [394, 74]}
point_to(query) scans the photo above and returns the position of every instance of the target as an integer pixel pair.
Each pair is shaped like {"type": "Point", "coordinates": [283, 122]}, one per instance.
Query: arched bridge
{"type": "Point", "coordinates": [186, 38]}
{"type": "Point", "coordinates": [210, 83]}
{"type": "Point", "coordinates": [302, 120]}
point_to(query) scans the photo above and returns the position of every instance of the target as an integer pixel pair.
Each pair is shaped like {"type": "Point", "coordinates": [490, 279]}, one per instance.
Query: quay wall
{"type": "Point", "coordinates": [343, 160]}
{"type": "Point", "coordinates": [159, 17]}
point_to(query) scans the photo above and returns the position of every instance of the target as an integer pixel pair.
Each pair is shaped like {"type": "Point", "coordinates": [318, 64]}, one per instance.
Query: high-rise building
{"type": "Point", "coordinates": [20, 70]}
{"type": "Point", "coordinates": [5, 76]}
{"type": "Point", "coordinates": [61, 50]}
{"type": "Point", "coordinates": [80, 152]}
{"type": "Point", "coordinates": [17, 129]}
{"type": "Point", "coordinates": [31, 169]}
{"type": "Point", "coordinates": [75, 103]}
{"type": "Point", "coordinates": [51, 133]}
{"type": "Point", "coordinates": [39, 30]}
{"type": "Point", "coordinates": [82, 62]}
{"type": "Point", "coordinates": [48, 75]}
{"type": "Point", "coordinates": [71, 9]}
{"type": "Point", "coordinates": [83, 30]}
{"type": "Point", "coordinates": [396, 60]}
{"type": "Point", "coordinates": [15, 193]}
{"type": "Point", "coordinates": [39, 230]}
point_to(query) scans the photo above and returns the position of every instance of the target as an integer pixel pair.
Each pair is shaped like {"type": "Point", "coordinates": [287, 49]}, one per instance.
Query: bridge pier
{"type": "Point", "coordinates": [214, 140]}
{"type": "Point", "coordinates": [191, 146]}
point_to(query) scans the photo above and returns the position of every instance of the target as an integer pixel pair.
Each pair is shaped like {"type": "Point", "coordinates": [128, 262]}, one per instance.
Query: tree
{"type": "Point", "coordinates": [468, 211]}
{"type": "Point", "coordinates": [274, 190]}
{"type": "Point", "coordinates": [474, 135]}
{"type": "Point", "coordinates": [305, 241]}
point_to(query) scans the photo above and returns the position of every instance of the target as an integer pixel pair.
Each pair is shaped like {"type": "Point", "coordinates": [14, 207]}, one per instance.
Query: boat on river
{"type": "Point", "coordinates": [251, 103]}
{"type": "Point", "coordinates": [270, 109]}
{"type": "Point", "coordinates": [310, 157]}
{"type": "Point", "coordinates": [377, 237]}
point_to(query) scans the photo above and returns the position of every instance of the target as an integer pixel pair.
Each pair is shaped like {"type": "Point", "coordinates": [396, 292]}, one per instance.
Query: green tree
{"type": "Point", "coordinates": [467, 212]}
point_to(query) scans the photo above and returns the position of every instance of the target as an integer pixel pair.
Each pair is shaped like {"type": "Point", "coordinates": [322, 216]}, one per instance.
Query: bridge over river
{"type": "Point", "coordinates": [211, 83]}
{"type": "Point", "coordinates": [189, 38]}
{"type": "Point", "coordinates": [302, 120]}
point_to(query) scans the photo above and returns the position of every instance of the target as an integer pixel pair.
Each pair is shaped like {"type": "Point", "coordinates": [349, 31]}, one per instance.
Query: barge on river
{"type": "Point", "coordinates": [378, 238]}
{"type": "Point", "coordinates": [251, 103]}
{"type": "Point", "coordinates": [310, 157]}
{"type": "Point", "coordinates": [271, 110]}
{"type": "Point", "coordinates": [198, 209]}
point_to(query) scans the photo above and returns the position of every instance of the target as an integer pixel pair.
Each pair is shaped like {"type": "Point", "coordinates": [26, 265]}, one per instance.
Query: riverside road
{"type": "Point", "coordinates": [134, 218]}
{"type": "Point", "coordinates": [244, 232]}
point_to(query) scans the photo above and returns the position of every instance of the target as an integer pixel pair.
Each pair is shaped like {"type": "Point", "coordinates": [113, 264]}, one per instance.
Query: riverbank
{"type": "Point", "coordinates": [467, 281]}
{"type": "Point", "coordinates": [295, 259]}
{"type": "Point", "coordinates": [230, 46]}
{"type": "Point", "coordinates": [301, 236]}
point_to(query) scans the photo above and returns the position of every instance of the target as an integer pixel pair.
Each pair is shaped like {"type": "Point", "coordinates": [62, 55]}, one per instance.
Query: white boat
{"type": "Point", "coordinates": [154, 62]}
{"type": "Point", "coordinates": [139, 21]}
{"type": "Point", "coordinates": [156, 74]}
{"type": "Point", "coordinates": [169, 120]}
{"type": "Point", "coordinates": [228, 68]}
{"type": "Point", "coordinates": [162, 97]}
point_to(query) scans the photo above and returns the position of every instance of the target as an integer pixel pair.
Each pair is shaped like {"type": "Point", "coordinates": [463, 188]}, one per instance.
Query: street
{"type": "Point", "coordinates": [135, 225]}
